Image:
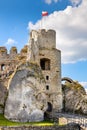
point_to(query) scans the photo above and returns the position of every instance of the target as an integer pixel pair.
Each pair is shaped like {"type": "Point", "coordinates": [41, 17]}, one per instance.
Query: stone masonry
{"type": "Point", "coordinates": [9, 61]}
{"type": "Point", "coordinates": [41, 51]}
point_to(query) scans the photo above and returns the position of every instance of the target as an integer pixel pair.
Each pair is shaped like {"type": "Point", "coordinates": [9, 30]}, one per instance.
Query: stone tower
{"type": "Point", "coordinates": [42, 50]}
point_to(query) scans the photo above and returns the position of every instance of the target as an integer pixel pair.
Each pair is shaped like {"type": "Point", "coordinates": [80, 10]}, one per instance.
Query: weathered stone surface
{"type": "Point", "coordinates": [3, 95]}
{"type": "Point", "coordinates": [26, 99]}
{"type": "Point", "coordinates": [62, 120]}
{"type": "Point", "coordinates": [42, 51]}
{"type": "Point", "coordinates": [75, 98]}
{"type": "Point", "coordinates": [64, 127]}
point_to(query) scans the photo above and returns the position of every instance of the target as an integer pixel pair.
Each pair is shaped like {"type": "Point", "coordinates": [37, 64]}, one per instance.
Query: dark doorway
{"type": "Point", "coordinates": [45, 64]}
{"type": "Point", "coordinates": [49, 109]}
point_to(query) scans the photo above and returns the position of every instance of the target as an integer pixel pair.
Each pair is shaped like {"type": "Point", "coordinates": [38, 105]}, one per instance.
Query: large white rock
{"type": "Point", "coordinates": [75, 98]}
{"type": "Point", "coordinates": [26, 99]}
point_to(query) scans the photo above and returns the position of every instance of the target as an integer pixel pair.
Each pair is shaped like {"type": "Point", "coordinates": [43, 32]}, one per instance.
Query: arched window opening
{"type": "Point", "coordinates": [45, 64]}
{"type": "Point", "coordinates": [2, 67]}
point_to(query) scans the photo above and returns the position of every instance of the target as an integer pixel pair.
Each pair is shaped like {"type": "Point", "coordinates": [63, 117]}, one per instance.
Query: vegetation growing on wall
{"type": "Point", "coordinates": [75, 86]}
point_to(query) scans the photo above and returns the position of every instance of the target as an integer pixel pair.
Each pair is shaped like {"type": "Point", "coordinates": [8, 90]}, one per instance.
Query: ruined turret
{"type": "Point", "coordinates": [46, 39]}
{"type": "Point", "coordinates": [13, 51]}
{"type": "Point", "coordinates": [3, 51]}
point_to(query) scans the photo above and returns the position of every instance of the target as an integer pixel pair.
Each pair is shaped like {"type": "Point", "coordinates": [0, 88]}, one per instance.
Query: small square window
{"type": "Point", "coordinates": [47, 87]}
{"type": "Point", "coordinates": [47, 77]}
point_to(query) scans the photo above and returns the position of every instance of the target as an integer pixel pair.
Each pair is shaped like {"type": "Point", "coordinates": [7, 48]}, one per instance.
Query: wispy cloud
{"type": "Point", "coordinates": [71, 31]}
{"type": "Point", "coordinates": [50, 1]}
{"type": "Point", "coordinates": [10, 41]}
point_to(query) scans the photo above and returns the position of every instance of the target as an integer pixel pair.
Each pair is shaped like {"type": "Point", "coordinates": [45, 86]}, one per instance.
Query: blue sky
{"type": "Point", "coordinates": [15, 15]}
{"type": "Point", "coordinates": [67, 17]}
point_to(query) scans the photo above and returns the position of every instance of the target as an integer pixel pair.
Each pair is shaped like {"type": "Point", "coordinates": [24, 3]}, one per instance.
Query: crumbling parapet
{"type": "Point", "coordinates": [3, 51]}
{"type": "Point", "coordinates": [13, 51]}
{"type": "Point", "coordinates": [9, 61]}
{"type": "Point", "coordinates": [45, 38]}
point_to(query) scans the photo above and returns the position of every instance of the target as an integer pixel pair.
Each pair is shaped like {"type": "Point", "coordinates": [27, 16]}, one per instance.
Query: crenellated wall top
{"type": "Point", "coordinates": [48, 36]}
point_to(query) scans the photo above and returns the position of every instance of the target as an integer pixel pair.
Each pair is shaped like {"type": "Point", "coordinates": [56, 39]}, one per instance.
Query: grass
{"type": "Point", "coordinates": [5, 122]}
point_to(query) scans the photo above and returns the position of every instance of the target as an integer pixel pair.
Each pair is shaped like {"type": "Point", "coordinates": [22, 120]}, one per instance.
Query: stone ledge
{"type": "Point", "coordinates": [67, 127]}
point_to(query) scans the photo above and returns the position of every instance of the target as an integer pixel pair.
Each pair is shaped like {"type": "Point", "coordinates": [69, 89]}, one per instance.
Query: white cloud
{"type": "Point", "coordinates": [75, 2]}
{"type": "Point", "coordinates": [71, 31]}
{"type": "Point", "coordinates": [50, 1]}
{"type": "Point", "coordinates": [84, 84]}
{"type": "Point", "coordinates": [10, 41]}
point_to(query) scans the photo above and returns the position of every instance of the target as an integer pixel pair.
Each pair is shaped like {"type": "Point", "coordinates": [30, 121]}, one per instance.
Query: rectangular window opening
{"type": "Point", "coordinates": [47, 87]}
{"type": "Point", "coordinates": [47, 77]}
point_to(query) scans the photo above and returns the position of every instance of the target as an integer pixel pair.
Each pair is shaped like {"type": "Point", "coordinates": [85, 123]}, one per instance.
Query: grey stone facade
{"type": "Point", "coordinates": [42, 50]}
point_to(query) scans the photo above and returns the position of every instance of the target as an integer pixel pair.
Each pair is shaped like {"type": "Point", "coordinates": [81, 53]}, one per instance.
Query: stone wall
{"type": "Point", "coordinates": [9, 61]}
{"type": "Point", "coordinates": [54, 76]}
{"type": "Point", "coordinates": [42, 50]}
{"type": "Point", "coordinates": [3, 96]}
{"type": "Point", "coordinates": [71, 127]}
{"type": "Point", "coordinates": [46, 39]}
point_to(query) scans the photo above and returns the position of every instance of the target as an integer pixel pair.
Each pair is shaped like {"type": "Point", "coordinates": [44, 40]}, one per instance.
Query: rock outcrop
{"type": "Point", "coordinates": [26, 100]}
{"type": "Point", "coordinates": [75, 98]}
{"type": "Point", "coordinates": [3, 95]}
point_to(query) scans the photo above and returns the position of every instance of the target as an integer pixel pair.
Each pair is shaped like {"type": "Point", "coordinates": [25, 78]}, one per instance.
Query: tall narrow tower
{"type": "Point", "coordinates": [42, 50]}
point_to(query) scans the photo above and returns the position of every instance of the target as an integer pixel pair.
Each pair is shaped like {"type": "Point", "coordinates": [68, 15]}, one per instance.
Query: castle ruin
{"type": "Point", "coordinates": [19, 68]}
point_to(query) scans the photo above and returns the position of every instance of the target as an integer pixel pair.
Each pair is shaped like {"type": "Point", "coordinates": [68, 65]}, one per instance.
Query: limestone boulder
{"type": "Point", "coordinates": [75, 98]}
{"type": "Point", "coordinates": [26, 100]}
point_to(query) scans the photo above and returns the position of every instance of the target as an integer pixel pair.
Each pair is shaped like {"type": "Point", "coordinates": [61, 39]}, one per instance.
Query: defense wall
{"type": "Point", "coordinates": [9, 61]}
